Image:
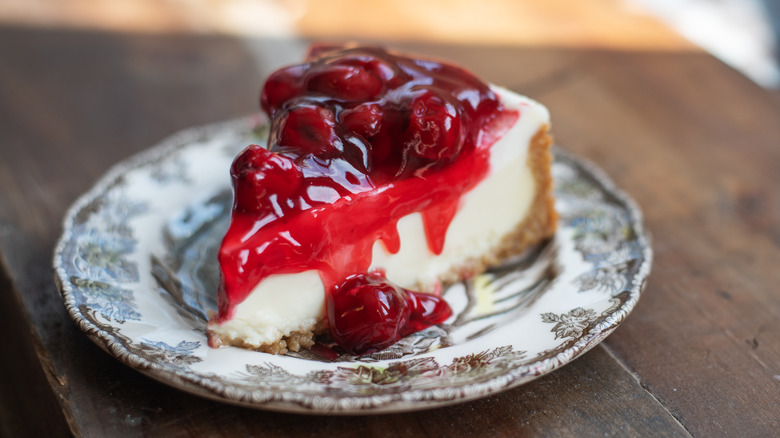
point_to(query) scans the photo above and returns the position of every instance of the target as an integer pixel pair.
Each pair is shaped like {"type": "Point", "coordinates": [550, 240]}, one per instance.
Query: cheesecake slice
{"type": "Point", "coordinates": [384, 177]}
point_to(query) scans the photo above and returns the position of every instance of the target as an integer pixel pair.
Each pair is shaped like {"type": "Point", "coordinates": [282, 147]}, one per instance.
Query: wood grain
{"type": "Point", "coordinates": [71, 105]}
{"type": "Point", "coordinates": [23, 386]}
{"type": "Point", "coordinates": [697, 145]}
{"type": "Point", "coordinates": [690, 139]}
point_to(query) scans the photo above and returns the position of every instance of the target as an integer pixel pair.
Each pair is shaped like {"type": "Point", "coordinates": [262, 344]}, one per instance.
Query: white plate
{"type": "Point", "coordinates": [137, 270]}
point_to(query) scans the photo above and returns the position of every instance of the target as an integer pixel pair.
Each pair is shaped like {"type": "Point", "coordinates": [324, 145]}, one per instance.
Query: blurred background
{"type": "Point", "coordinates": [86, 83]}
{"type": "Point", "coordinates": [742, 33]}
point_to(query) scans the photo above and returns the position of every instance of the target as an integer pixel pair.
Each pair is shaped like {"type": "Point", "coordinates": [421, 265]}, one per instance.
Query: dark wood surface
{"type": "Point", "coordinates": [695, 143]}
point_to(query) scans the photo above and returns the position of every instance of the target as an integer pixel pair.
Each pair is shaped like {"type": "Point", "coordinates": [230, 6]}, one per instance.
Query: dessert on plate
{"type": "Point", "coordinates": [384, 177]}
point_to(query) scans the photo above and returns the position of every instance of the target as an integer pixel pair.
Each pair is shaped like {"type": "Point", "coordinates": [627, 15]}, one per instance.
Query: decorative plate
{"type": "Point", "coordinates": [136, 266]}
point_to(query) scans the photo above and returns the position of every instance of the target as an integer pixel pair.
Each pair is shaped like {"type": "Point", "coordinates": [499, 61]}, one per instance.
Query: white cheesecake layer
{"type": "Point", "coordinates": [489, 212]}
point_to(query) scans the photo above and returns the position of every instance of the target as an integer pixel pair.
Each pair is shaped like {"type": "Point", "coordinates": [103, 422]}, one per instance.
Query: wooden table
{"type": "Point", "coordinates": [694, 142]}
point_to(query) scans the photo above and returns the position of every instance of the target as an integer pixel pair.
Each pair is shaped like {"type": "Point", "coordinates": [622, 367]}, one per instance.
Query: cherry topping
{"type": "Point", "coordinates": [434, 128]}
{"type": "Point", "coordinates": [367, 312]}
{"type": "Point", "coordinates": [425, 310]}
{"type": "Point", "coordinates": [347, 82]}
{"type": "Point", "coordinates": [263, 179]}
{"type": "Point", "coordinates": [280, 87]}
{"type": "Point", "coordinates": [307, 129]}
{"type": "Point", "coordinates": [364, 120]}
{"type": "Point", "coordinates": [407, 114]}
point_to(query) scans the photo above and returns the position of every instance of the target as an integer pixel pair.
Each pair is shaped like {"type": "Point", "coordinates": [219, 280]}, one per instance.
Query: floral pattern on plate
{"type": "Point", "coordinates": [136, 266]}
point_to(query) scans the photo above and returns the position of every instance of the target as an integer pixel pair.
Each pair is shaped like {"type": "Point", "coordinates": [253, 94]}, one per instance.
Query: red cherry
{"type": "Point", "coordinates": [434, 128]}
{"type": "Point", "coordinates": [259, 174]}
{"type": "Point", "coordinates": [367, 313]}
{"type": "Point", "coordinates": [371, 61]}
{"type": "Point", "coordinates": [364, 120]}
{"type": "Point", "coordinates": [455, 80]}
{"type": "Point", "coordinates": [425, 311]}
{"type": "Point", "coordinates": [306, 128]}
{"type": "Point", "coordinates": [383, 70]}
{"type": "Point", "coordinates": [352, 83]}
{"type": "Point", "coordinates": [281, 86]}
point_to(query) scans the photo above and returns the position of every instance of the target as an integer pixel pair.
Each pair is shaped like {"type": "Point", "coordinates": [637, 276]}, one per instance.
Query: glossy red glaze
{"type": "Point", "coordinates": [368, 313]}
{"type": "Point", "coordinates": [360, 137]}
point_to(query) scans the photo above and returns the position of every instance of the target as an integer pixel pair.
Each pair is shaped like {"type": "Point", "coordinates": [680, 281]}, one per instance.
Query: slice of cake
{"type": "Point", "coordinates": [384, 175]}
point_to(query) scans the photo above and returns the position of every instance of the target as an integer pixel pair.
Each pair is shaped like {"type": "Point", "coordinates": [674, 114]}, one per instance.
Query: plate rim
{"type": "Point", "coordinates": [219, 392]}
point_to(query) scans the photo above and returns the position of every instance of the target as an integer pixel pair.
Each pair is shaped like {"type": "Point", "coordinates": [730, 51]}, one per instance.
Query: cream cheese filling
{"type": "Point", "coordinates": [282, 304]}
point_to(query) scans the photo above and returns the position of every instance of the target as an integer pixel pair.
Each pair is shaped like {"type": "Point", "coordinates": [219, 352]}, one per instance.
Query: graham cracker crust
{"type": "Point", "coordinates": [296, 340]}
{"type": "Point", "coordinates": [537, 226]}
